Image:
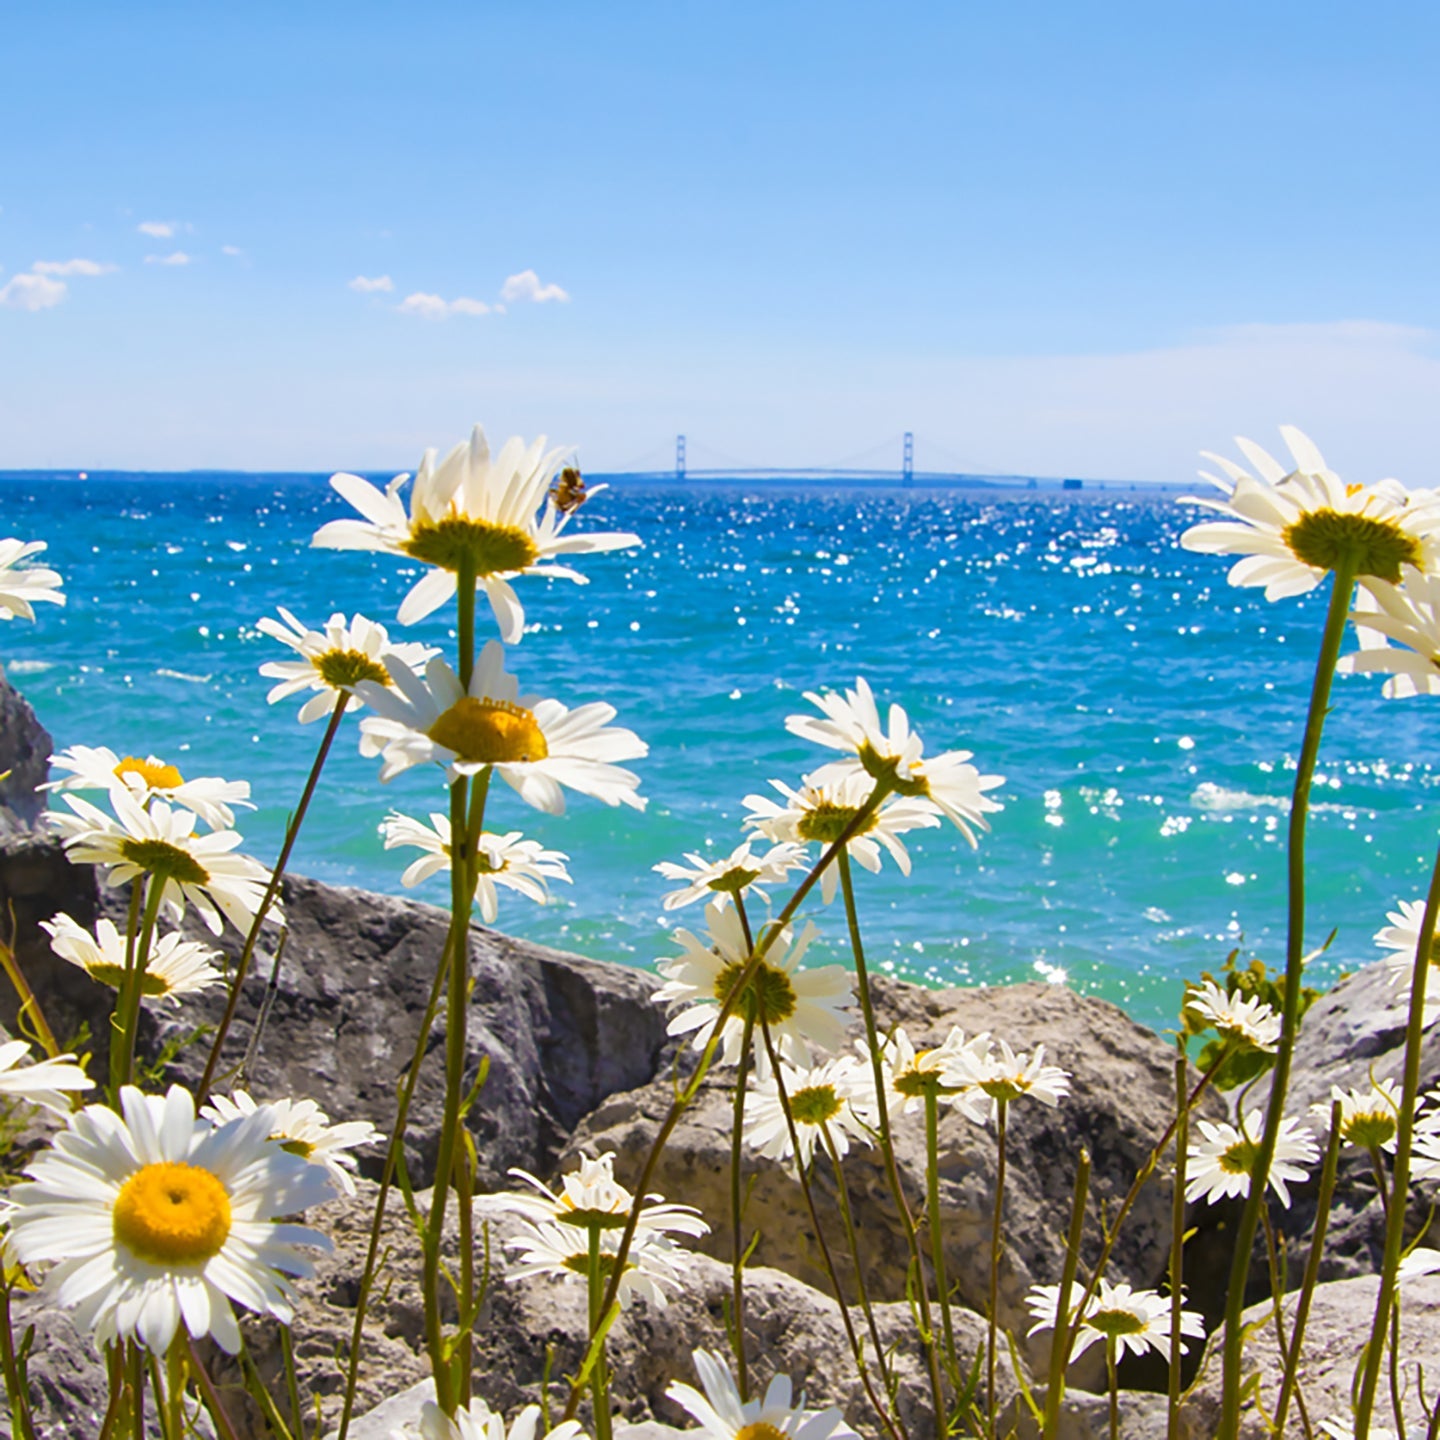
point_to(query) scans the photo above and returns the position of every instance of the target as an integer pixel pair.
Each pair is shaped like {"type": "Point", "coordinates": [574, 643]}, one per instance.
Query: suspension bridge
{"type": "Point", "coordinates": [892, 462]}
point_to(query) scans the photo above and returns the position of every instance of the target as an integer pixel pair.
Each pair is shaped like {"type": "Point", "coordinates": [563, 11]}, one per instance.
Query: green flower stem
{"type": "Point", "coordinates": [1341, 593]}
{"type": "Point", "coordinates": [209, 1395]}
{"type": "Point", "coordinates": [933, 1225]}
{"type": "Point", "coordinates": [600, 1377]}
{"type": "Point", "coordinates": [132, 986]}
{"type": "Point", "coordinates": [1400, 1175]}
{"type": "Point", "coordinates": [173, 1413]}
{"type": "Point", "coordinates": [1002, 1106]}
{"type": "Point", "coordinates": [887, 1145]}
{"type": "Point", "coordinates": [1177, 1238]}
{"type": "Point", "coordinates": [1110, 1343]}
{"type": "Point", "coordinates": [272, 889]}
{"type": "Point", "coordinates": [1277, 1291]}
{"type": "Point", "coordinates": [1312, 1267]}
{"type": "Point", "coordinates": [737, 1255]}
{"type": "Point", "coordinates": [847, 1216]}
{"type": "Point", "coordinates": [29, 1004]}
{"type": "Point", "coordinates": [1063, 1336]}
{"type": "Point", "coordinates": [393, 1153]}
{"type": "Point", "coordinates": [14, 1386]}
{"type": "Point", "coordinates": [857, 1347]}
{"type": "Point", "coordinates": [691, 1088]}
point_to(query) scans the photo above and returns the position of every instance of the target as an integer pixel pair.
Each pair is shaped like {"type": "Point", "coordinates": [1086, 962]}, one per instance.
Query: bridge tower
{"type": "Point", "coordinates": [907, 462]}
{"type": "Point", "coordinates": [679, 457]}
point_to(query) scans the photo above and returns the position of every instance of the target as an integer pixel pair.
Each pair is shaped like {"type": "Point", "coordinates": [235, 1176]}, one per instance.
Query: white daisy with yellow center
{"type": "Point", "coordinates": [332, 661]}
{"type": "Point", "coordinates": [470, 509]}
{"type": "Point", "coordinates": [996, 1075]}
{"type": "Point", "coordinates": [822, 1104]}
{"type": "Point", "coordinates": [48, 1082]}
{"type": "Point", "coordinates": [1369, 1117]}
{"type": "Point", "coordinates": [160, 845]}
{"type": "Point", "coordinates": [524, 866]}
{"type": "Point", "coordinates": [1293, 526]}
{"type": "Point", "coordinates": [304, 1129]}
{"type": "Point", "coordinates": [826, 804]}
{"type": "Point", "coordinates": [1247, 1020]}
{"type": "Point", "coordinates": [153, 1221]}
{"type": "Point", "coordinates": [1402, 938]}
{"type": "Point", "coordinates": [97, 767]}
{"type": "Point", "coordinates": [723, 1415]}
{"type": "Point", "coordinates": [1218, 1165]}
{"type": "Point", "coordinates": [910, 1074]}
{"type": "Point", "coordinates": [1398, 627]}
{"type": "Point", "coordinates": [892, 751]}
{"type": "Point", "coordinates": [737, 873]}
{"type": "Point", "coordinates": [534, 745]}
{"type": "Point", "coordinates": [1118, 1315]}
{"type": "Point", "coordinates": [801, 1007]}
{"type": "Point", "coordinates": [653, 1263]}
{"type": "Point", "coordinates": [24, 586]}
{"type": "Point", "coordinates": [175, 967]}
{"type": "Point", "coordinates": [478, 1422]}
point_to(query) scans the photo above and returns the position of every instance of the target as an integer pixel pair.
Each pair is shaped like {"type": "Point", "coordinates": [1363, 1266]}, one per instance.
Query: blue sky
{"type": "Point", "coordinates": [1057, 238]}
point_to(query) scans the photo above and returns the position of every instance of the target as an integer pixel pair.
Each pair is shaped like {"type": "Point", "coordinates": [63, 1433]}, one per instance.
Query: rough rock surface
{"type": "Point", "coordinates": [25, 750]}
{"type": "Point", "coordinates": [1120, 1103]}
{"type": "Point", "coordinates": [1339, 1325]}
{"type": "Point", "coordinates": [561, 1032]}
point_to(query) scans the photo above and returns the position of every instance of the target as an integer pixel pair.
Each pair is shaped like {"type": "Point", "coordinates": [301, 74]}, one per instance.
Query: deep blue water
{"type": "Point", "coordinates": [1145, 714]}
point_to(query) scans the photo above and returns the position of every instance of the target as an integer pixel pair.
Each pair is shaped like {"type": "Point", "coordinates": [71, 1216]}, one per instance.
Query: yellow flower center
{"type": "Point", "coordinates": [580, 1263]}
{"type": "Point", "coordinates": [1005, 1087]}
{"type": "Point", "coordinates": [734, 880]}
{"type": "Point", "coordinates": [172, 1214]}
{"type": "Point", "coordinates": [303, 1148]}
{"type": "Point", "coordinates": [344, 669]}
{"type": "Point", "coordinates": [1239, 1159]}
{"type": "Point", "coordinates": [1116, 1322]}
{"type": "Point", "coordinates": [814, 1105]}
{"type": "Point", "coordinates": [1370, 1129]}
{"type": "Point", "coordinates": [157, 775]}
{"type": "Point", "coordinates": [769, 996]}
{"type": "Point", "coordinates": [919, 1079]}
{"type": "Point", "coordinates": [492, 549]}
{"type": "Point", "coordinates": [760, 1430]}
{"type": "Point", "coordinates": [108, 973]}
{"type": "Point", "coordinates": [1324, 538]}
{"type": "Point", "coordinates": [826, 822]}
{"type": "Point", "coordinates": [160, 857]}
{"type": "Point", "coordinates": [490, 732]}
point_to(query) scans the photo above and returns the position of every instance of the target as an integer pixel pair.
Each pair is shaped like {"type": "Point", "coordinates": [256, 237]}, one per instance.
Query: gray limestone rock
{"type": "Point", "coordinates": [25, 749]}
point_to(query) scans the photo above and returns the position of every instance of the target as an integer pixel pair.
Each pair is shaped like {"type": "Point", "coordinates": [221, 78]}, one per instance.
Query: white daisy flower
{"type": "Point", "coordinates": [96, 767]}
{"type": "Point", "coordinates": [732, 874]}
{"type": "Point", "coordinates": [1136, 1320]}
{"type": "Point", "coordinates": [333, 660]}
{"type": "Point", "coordinates": [534, 745]}
{"type": "Point", "coordinates": [722, 1415]}
{"type": "Point", "coordinates": [801, 1007]}
{"type": "Point", "coordinates": [470, 507]}
{"type": "Point", "coordinates": [1219, 1164]}
{"type": "Point", "coordinates": [161, 844]}
{"type": "Point", "coordinates": [22, 588]}
{"type": "Point", "coordinates": [1398, 627]}
{"type": "Point", "coordinates": [828, 802]}
{"type": "Point", "coordinates": [518, 864]}
{"type": "Point", "coordinates": [910, 1074]}
{"type": "Point", "coordinates": [157, 1221]}
{"type": "Point", "coordinates": [1368, 1117]}
{"type": "Point", "coordinates": [653, 1263]}
{"type": "Point", "coordinates": [990, 1077]}
{"type": "Point", "coordinates": [591, 1195]}
{"type": "Point", "coordinates": [822, 1099]}
{"type": "Point", "coordinates": [1236, 1016]}
{"type": "Point", "coordinates": [1292, 527]}
{"type": "Point", "coordinates": [46, 1082]}
{"type": "Point", "coordinates": [852, 722]}
{"type": "Point", "coordinates": [1421, 1261]}
{"type": "Point", "coordinates": [1402, 936]}
{"type": "Point", "coordinates": [175, 966]}
{"type": "Point", "coordinates": [1425, 1156]}
{"type": "Point", "coordinates": [1338, 1427]}
{"type": "Point", "coordinates": [478, 1422]}
{"type": "Point", "coordinates": [304, 1129]}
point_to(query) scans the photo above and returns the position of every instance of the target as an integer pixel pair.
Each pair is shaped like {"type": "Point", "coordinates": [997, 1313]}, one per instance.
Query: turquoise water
{"type": "Point", "coordinates": [1146, 715]}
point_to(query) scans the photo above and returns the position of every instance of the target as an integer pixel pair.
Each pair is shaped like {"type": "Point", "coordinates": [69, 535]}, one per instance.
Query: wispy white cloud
{"type": "Point", "coordinates": [176, 257]}
{"type": "Point", "coordinates": [368, 284]}
{"type": "Point", "coordinates": [232, 250]}
{"type": "Point", "coordinates": [157, 229]}
{"type": "Point", "coordinates": [73, 267]}
{"type": "Point", "coordinates": [32, 292]}
{"type": "Point", "coordinates": [433, 307]}
{"type": "Point", "coordinates": [526, 286]}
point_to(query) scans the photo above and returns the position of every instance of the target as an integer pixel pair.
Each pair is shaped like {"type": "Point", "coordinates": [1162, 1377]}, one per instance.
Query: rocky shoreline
{"type": "Point", "coordinates": [579, 1062]}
